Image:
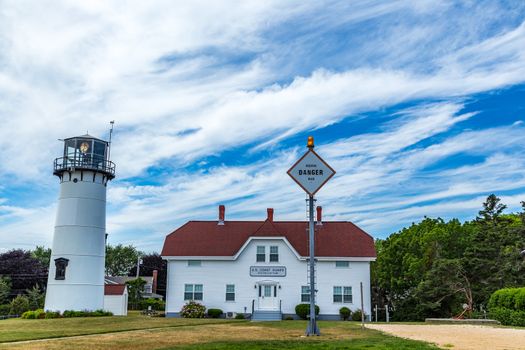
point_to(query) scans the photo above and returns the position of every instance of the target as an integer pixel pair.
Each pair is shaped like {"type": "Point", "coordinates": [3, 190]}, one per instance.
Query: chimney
{"type": "Point", "coordinates": [222, 210]}
{"type": "Point", "coordinates": [319, 215]}
{"type": "Point", "coordinates": [154, 287]}
{"type": "Point", "coordinates": [270, 214]}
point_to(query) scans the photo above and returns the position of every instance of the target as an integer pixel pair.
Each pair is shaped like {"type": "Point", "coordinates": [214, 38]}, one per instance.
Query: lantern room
{"type": "Point", "coordinates": [85, 153]}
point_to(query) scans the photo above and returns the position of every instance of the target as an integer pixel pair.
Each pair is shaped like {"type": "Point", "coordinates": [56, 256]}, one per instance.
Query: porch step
{"type": "Point", "coordinates": [267, 316]}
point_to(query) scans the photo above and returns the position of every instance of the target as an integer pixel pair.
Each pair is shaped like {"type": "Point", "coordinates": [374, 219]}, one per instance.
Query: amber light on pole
{"type": "Point", "coordinates": [310, 143]}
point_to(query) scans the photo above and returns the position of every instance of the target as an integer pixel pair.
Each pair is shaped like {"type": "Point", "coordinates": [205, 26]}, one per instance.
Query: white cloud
{"type": "Point", "coordinates": [187, 81]}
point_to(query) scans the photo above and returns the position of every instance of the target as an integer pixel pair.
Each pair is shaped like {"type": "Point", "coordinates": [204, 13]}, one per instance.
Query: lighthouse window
{"type": "Point", "coordinates": [98, 151]}
{"type": "Point", "coordinates": [60, 268]}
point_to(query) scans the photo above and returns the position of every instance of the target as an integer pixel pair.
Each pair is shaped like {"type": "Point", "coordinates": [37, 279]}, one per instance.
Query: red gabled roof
{"type": "Point", "coordinates": [114, 289]}
{"type": "Point", "coordinates": [207, 238]}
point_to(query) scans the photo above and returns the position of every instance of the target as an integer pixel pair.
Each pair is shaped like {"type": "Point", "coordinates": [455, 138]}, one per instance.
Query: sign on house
{"type": "Point", "coordinates": [311, 172]}
{"type": "Point", "coordinates": [268, 271]}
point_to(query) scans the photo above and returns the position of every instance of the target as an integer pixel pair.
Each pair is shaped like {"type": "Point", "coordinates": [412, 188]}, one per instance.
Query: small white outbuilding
{"type": "Point", "coordinates": [116, 299]}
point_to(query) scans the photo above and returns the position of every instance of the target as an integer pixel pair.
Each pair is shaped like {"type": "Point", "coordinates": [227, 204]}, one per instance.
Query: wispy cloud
{"type": "Point", "coordinates": [190, 83]}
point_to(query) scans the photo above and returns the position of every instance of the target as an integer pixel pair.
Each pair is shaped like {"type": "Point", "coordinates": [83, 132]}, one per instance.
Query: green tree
{"type": "Point", "coordinates": [434, 268]}
{"type": "Point", "coordinates": [5, 289]}
{"type": "Point", "coordinates": [35, 298]}
{"type": "Point", "coordinates": [492, 259]}
{"type": "Point", "coordinates": [42, 254]}
{"type": "Point", "coordinates": [23, 269]}
{"type": "Point", "coordinates": [120, 259]}
{"type": "Point", "coordinates": [405, 261]}
{"type": "Point", "coordinates": [19, 305]}
{"type": "Point", "coordinates": [492, 210]}
{"type": "Point", "coordinates": [135, 289]}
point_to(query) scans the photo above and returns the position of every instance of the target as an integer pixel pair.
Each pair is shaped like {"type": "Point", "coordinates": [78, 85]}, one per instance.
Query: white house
{"type": "Point", "coordinates": [150, 288]}
{"type": "Point", "coordinates": [254, 267]}
{"type": "Point", "coordinates": [116, 299]}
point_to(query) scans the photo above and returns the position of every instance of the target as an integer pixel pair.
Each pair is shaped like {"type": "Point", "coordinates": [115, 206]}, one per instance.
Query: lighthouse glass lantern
{"type": "Point", "coordinates": [76, 270]}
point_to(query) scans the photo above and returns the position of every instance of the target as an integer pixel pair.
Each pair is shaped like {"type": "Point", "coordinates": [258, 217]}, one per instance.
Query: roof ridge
{"type": "Point", "coordinates": [265, 223]}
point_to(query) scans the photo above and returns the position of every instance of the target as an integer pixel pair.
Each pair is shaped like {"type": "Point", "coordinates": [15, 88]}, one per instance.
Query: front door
{"type": "Point", "coordinates": [268, 297]}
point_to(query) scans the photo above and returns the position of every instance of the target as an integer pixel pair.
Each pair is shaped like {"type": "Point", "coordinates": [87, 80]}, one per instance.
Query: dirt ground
{"type": "Point", "coordinates": [459, 337]}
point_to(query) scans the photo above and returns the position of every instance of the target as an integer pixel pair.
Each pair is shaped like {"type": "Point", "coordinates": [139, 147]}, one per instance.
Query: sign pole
{"type": "Point", "coordinates": [311, 172]}
{"type": "Point", "coordinates": [312, 325]}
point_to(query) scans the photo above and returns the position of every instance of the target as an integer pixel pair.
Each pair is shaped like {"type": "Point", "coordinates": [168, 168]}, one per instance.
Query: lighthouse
{"type": "Point", "coordinates": [76, 269]}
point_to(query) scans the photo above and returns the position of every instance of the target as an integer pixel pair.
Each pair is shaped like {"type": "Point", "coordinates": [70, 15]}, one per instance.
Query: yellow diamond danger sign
{"type": "Point", "coordinates": [311, 172]}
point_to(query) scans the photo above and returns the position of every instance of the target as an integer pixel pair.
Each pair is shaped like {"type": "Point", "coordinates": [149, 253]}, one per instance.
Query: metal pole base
{"type": "Point", "coordinates": [312, 329]}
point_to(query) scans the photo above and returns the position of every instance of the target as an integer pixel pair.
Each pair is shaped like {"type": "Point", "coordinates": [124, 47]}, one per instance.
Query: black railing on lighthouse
{"type": "Point", "coordinates": [85, 163]}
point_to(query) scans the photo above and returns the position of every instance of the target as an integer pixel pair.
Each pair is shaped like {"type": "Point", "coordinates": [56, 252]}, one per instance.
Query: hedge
{"type": "Point", "coordinates": [510, 298]}
{"type": "Point", "coordinates": [36, 314]}
{"type": "Point", "coordinates": [214, 313]}
{"type": "Point", "coordinates": [85, 313]}
{"type": "Point", "coordinates": [156, 304]}
{"type": "Point", "coordinates": [508, 306]}
{"type": "Point", "coordinates": [303, 310]}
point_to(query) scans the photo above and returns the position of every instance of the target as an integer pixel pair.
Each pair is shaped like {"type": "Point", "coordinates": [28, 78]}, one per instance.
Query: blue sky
{"type": "Point", "coordinates": [418, 105]}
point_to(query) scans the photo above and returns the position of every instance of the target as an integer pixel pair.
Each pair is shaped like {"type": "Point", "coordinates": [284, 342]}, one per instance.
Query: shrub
{"type": "Point", "coordinates": [288, 318]}
{"type": "Point", "coordinates": [52, 314]}
{"type": "Point", "coordinates": [501, 314]}
{"type": "Point", "coordinates": [510, 298]}
{"type": "Point", "coordinates": [86, 313]}
{"type": "Point", "coordinates": [31, 315]}
{"type": "Point", "coordinates": [240, 317]}
{"type": "Point", "coordinates": [519, 299]}
{"type": "Point", "coordinates": [4, 309]}
{"type": "Point", "coordinates": [214, 313]}
{"type": "Point", "coordinates": [28, 315]}
{"type": "Point", "coordinates": [40, 313]}
{"type": "Point", "coordinates": [156, 304]}
{"type": "Point", "coordinates": [345, 313]}
{"type": "Point", "coordinates": [356, 315]}
{"type": "Point", "coordinates": [508, 306]}
{"type": "Point", "coordinates": [19, 305]}
{"type": "Point", "coordinates": [193, 310]}
{"type": "Point", "coordinates": [303, 310]}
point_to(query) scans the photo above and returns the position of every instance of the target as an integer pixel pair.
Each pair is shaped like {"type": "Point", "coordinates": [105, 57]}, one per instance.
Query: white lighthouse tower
{"type": "Point", "coordinates": [76, 271]}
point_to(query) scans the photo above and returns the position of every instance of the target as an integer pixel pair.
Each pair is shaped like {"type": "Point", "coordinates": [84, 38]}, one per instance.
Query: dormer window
{"type": "Point", "coordinates": [60, 268]}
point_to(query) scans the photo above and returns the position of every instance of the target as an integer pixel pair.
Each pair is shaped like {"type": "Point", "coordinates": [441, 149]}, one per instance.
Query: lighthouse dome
{"type": "Point", "coordinates": [85, 152]}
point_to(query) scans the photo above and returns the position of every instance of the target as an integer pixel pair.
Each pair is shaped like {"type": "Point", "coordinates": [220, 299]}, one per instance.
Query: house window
{"type": "Point", "coordinates": [305, 294]}
{"type": "Point", "coordinates": [261, 253]}
{"type": "Point", "coordinates": [342, 294]}
{"type": "Point", "coordinates": [230, 292]}
{"type": "Point", "coordinates": [194, 263]}
{"type": "Point", "coordinates": [342, 264]}
{"type": "Point", "coordinates": [60, 268]}
{"type": "Point", "coordinates": [347, 294]}
{"type": "Point", "coordinates": [274, 253]}
{"type": "Point", "coordinates": [193, 292]}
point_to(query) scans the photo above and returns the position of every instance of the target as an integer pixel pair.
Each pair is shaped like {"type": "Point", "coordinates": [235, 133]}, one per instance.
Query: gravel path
{"type": "Point", "coordinates": [459, 337]}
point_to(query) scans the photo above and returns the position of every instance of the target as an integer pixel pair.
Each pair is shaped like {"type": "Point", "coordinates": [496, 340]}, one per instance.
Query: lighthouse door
{"type": "Point", "coordinates": [268, 297]}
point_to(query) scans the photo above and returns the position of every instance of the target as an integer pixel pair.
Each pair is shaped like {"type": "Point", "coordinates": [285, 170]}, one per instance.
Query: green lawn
{"type": "Point", "coordinates": [139, 332]}
{"type": "Point", "coordinates": [18, 329]}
